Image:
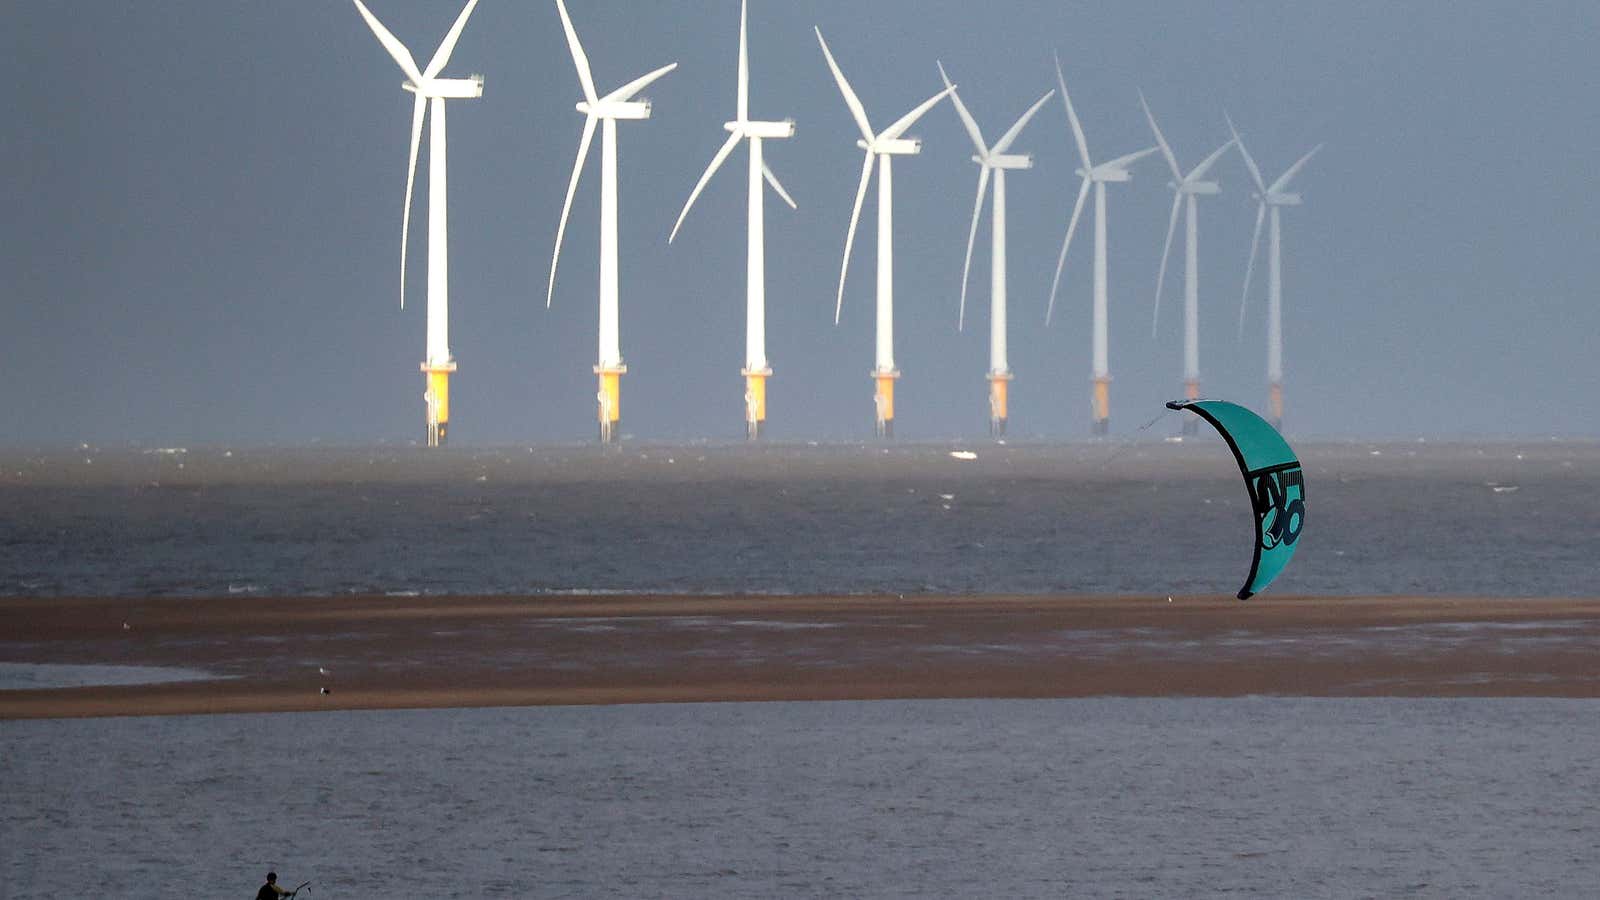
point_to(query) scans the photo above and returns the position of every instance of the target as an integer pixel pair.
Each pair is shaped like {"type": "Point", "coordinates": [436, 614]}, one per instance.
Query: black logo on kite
{"type": "Point", "coordinates": [1280, 518]}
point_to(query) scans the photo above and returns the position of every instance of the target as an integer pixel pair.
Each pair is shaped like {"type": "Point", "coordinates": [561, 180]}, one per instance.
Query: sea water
{"type": "Point", "coordinates": [1149, 517]}
{"type": "Point", "coordinates": [1030, 798]}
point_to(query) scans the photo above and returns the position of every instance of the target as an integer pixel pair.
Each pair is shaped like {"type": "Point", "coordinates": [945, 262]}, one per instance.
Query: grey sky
{"type": "Point", "coordinates": [202, 216]}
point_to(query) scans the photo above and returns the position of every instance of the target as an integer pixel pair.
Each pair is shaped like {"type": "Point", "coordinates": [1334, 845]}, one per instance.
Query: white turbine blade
{"type": "Point", "coordinates": [1072, 117]}
{"type": "Point", "coordinates": [1249, 162]}
{"type": "Point", "coordinates": [966, 117]}
{"type": "Point", "coordinates": [579, 59]}
{"type": "Point", "coordinates": [1250, 267]}
{"type": "Point", "coordinates": [1161, 140]}
{"type": "Point", "coordinates": [1283, 181]}
{"type": "Point", "coordinates": [857, 112]}
{"type": "Point", "coordinates": [566, 207]}
{"type": "Point", "coordinates": [772, 179]}
{"type": "Point", "coordinates": [1061, 261]}
{"type": "Point", "coordinates": [1004, 143]}
{"type": "Point", "coordinates": [418, 111]}
{"type": "Point", "coordinates": [909, 119]}
{"type": "Point", "coordinates": [1161, 274]}
{"type": "Point", "coordinates": [744, 67]}
{"type": "Point", "coordinates": [1200, 170]}
{"type": "Point", "coordinates": [627, 91]}
{"type": "Point", "coordinates": [1122, 162]}
{"type": "Point", "coordinates": [391, 43]}
{"type": "Point", "coordinates": [972, 234]}
{"type": "Point", "coordinates": [722, 154]}
{"type": "Point", "coordinates": [850, 236]}
{"type": "Point", "coordinates": [441, 57]}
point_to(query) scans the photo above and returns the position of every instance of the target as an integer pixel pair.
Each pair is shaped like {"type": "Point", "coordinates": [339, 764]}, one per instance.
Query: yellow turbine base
{"type": "Point", "coordinates": [1102, 399]}
{"type": "Point", "coordinates": [1275, 402]}
{"type": "Point", "coordinates": [1191, 424]}
{"type": "Point", "coordinates": [437, 396]}
{"type": "Point", "coordinates": [609, 400]}
{"type": "Point", "coordinates": [883, 397]}
{"type": "Point", "coordinates": [997, 394]}
{"type": "Point", "coordinates": [998, 390]}
{"type": "Point", "coordinates": [755, 400]}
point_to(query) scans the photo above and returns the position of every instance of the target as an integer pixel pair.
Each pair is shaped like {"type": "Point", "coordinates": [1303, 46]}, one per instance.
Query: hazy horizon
{"type": "Point", "coordinates": [201, 243]}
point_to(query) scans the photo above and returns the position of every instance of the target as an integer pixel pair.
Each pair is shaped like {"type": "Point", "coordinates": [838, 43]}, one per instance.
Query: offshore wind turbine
{"type": "Point", "coordinates": [606, 111]}
{"type": "Point", "coordinates": [1271, 198]}
{"type": "Point", "coordinates": [882, 146]}
{"type": "Point", "coordinates": [1114, 171]}
{"type": "Point", "coordinates": [1185, 188]}
{"type": "Point", "coordinates": [994, 161]}
{"type": "Point", "coordinates": [431, 93]}
{"type": "Point", "coordinates": [756, 369]}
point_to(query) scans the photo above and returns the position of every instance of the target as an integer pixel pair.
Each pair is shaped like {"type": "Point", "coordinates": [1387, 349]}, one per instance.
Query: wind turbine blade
{"type": "Point", "coordinates": [566, 207]}
{"type": "Point", "coordinates": [1200, 170]}
{"type": "Point", "coordinates": [1072, 117]}
{"type": "Point", "coordinates": [1061, 261]}
{"type": "Point", "coordinates": [441, 57]}
{"type": "Point", "coordinates": [906, 121]}
{"type": "Point", "coordinates": [1283, 181]}
{"type": "Point", "coordinates": [850, 236]}
{"type": "Point", "coordinates": [1004, 143]}
{"type": "Point", "coordinates": [418, 111]}
{"type": "Point", "coordinates": [1250, 267]}
{"type": "Point", "coordinates": [772, 179]}
{"type": "Point", "coordinates": [744, 66]}
{"type": "Point", "coordinates": [627, 91]}
{"type": "Point", "coordinates": [1161, 141]}
{"type": "Point", "coordinates": [1249, 162]}
{"type": "Point", "coordinates": [972, 233]}
{"type": "Point", "coordinates": [857, 112]}
{"type": "Point", "coordinates": [1122, 162]}
{"type": "Point", "coordinates": [966, 117]}
{"type": "Point", "coordinates": [722, 154]}
{"type": "Point", "coordinates": [1161, 274]}
{"type": "Point", "coordinates": [391, 43]}
{"type": "Point", "coordinates": [579, 59]}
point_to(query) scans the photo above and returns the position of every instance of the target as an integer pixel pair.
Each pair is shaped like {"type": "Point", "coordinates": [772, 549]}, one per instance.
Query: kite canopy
{"type": "Point", "coordinates": [1273, 477]}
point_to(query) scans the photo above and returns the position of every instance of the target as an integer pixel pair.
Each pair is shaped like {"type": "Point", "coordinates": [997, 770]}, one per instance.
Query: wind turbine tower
{"type": "Point", "coordinates": [881, 147]}
{"type": "Point", "coordinates": [756, 370]}
{"type": "Point", "coordinates": [1114, 171]}
{"type": "Point", "coordinates": [431, 93]}
{"type": "Point", "coordinates": [1185, 188]}
{"type": "Point", "coordinates": [992, 161]}
{"type": "Point", "coordinates": [1270, 198]}
{"type": "Point", "coordinates": [607, 110]}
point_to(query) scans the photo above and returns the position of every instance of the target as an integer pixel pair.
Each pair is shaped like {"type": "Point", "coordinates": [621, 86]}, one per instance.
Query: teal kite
{"type": "Point", "coordinates": [1272, 475]}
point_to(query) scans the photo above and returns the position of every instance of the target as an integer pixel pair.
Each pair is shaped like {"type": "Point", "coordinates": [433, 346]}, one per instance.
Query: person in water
{"type": "Point", "coordinates": [271, 890]}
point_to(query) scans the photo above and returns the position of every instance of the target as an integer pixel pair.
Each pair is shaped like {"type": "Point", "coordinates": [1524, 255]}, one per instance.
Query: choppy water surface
{"type": "Point", "coordinates": [1082, 798]}
{"type": "Point", "coordinates": [1151, 517]}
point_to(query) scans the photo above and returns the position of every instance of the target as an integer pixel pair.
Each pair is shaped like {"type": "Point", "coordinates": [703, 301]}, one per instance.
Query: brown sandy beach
{"type": "Point", "coordinates": [388, 652]}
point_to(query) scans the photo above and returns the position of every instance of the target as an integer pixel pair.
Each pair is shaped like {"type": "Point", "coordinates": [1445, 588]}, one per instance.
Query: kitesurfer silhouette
{"type": "Point", "coordinates": [272, 891]}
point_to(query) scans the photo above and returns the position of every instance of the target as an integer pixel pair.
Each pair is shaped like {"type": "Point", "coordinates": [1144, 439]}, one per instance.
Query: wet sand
{"type": "Point", "coordinates": [279, 654]}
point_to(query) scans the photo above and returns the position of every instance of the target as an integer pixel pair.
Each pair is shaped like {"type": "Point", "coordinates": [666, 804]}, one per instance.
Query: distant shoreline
{"type": "Point", "coordinates": [425, 652]}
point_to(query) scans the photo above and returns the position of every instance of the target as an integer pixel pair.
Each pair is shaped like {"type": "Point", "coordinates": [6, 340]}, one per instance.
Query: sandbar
{"type": "Point", "coordinates": [382, 652]}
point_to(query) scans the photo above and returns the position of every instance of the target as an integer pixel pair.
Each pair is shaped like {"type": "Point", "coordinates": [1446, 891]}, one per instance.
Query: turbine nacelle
{"type": "Point", "coordinates": [1196, 187]}
{"type": "Point", "coordinates": [892, 146]}
{"type": "Point", "coordinates": [469, 88]}
{"type": "Point", "coordinates": [1104, 173]}
{"type": "Point", "coordinates": [1005, 160]}
{"type": "Point", "coordinates": [766, 130]}
{"type": "Point", "coordinates": [615, 109]}
{"type": "Point", "coordinates": [1283, 199]}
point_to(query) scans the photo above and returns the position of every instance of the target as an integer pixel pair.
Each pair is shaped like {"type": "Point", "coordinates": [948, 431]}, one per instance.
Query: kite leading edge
{"type": "Point", "coordinates": [1273, 477]}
